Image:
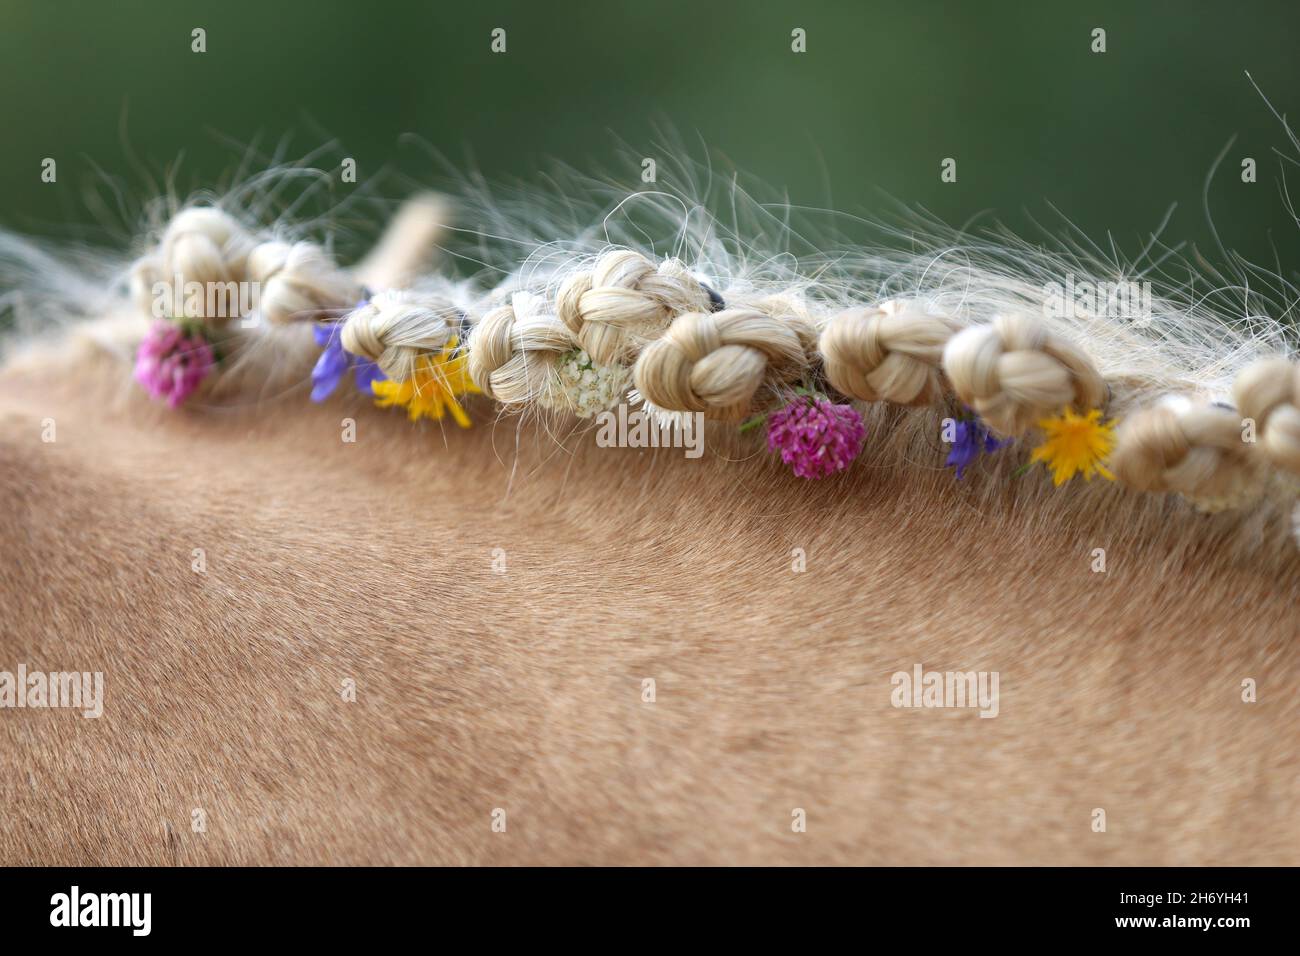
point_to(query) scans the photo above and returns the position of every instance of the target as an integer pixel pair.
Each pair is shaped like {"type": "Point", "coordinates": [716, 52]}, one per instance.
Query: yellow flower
{"type": "Point", "coordinates": [1076, 444]}
{"type": "Point", "coordinates": [432, 389]}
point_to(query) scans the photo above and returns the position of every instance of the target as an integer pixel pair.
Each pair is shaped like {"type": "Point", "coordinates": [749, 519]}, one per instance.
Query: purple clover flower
{"type": "Point", "coordinates": [171, 362]}
{"type": "Point", "coordinates": [815, 437]}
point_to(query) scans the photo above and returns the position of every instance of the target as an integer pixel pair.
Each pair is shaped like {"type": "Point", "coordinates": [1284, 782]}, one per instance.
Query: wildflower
{"type": "Point", "coordinates": [334, 363]}
{"type": "Point", "coordinates": [815, 437]}
{"type": "Point", "coordinates": [171, 361]}
{"type": "Point", "coordinates": [664, 418]}
{"type": "Point", "coordinates": [432, 389]}
{"type": "Point", "coordinates": [971, 438]}
{"type": "Point", "coordinates": [586, 387]}
{"type": "Point", "coordinates": [1076, 444]}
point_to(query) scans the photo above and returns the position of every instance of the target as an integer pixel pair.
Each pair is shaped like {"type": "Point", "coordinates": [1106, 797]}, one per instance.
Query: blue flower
{"type": "Point", "coordinates": [971, 438]}
{"type": "Point", "coordinates": [334, 363]}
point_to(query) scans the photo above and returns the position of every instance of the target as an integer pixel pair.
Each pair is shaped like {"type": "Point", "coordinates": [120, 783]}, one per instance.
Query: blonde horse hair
{"type": "Point", "coordinates": [637, 658]}
{"type": "Point", "coordinates": [729, 330]}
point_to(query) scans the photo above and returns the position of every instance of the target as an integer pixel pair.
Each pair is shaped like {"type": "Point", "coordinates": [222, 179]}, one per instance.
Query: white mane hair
{"type": "Point", "coordinates": [781, 293]}
{"type": "Point", "coordinates": [1206, 323]}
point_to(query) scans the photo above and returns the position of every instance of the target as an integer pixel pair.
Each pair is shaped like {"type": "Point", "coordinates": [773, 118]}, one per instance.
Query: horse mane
{"type": "Point", "coordinates": [703, 300]}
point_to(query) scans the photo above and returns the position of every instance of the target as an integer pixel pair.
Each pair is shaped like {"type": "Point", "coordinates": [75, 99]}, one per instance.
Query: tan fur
{"type": "Point", "coordinates": [522, 691]}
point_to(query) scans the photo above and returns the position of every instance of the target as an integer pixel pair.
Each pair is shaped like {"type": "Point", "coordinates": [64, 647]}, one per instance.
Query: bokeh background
{"type": "Point", "coordinates": [1036, 121]}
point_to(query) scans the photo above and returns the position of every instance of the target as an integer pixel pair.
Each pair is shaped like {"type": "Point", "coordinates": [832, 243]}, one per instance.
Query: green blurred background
{"type": "Point", "coordinates": [885, 91]}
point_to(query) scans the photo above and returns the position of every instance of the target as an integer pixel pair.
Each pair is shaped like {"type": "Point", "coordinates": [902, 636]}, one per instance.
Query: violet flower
{"type": "Point", "coordinates": [335, 361]}
{"type": "Point", "coordinates": [971, 438]}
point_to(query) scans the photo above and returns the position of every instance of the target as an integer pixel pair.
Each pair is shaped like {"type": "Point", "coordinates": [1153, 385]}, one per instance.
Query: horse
{"type": "Point", "coordinates": [331, 635]}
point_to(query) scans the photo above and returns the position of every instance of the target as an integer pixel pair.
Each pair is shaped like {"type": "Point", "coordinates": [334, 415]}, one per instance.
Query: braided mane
{"type": "Point", "coordinates": [688, 318]}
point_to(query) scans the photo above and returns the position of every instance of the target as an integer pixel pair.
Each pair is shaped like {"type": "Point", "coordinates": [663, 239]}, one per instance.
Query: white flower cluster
{"type": "Point", "coordinates": [585, 387]}
{"type": "Point", "coordinates": [662, 417]}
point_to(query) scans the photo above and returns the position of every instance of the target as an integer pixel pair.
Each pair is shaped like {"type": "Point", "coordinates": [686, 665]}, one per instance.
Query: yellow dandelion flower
{"type": "Point", "coordinates": [431, 391]}
{"type": "Point", "coordinates": [1076, 444]}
